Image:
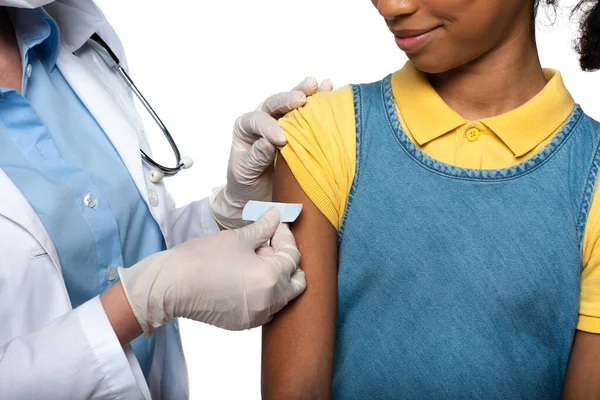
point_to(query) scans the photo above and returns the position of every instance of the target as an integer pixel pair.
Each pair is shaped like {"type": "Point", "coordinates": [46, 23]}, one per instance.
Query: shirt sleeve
{"type": "Point", "coordinates": [321, 150]}
{"type": "Point", "coordinates": [589, 298]}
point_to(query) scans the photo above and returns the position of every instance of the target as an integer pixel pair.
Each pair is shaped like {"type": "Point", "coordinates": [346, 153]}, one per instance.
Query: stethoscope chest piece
{"type": "Point", "coordinates": [156, 175]}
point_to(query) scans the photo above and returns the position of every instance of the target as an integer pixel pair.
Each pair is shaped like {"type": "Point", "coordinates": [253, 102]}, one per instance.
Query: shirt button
{"type": "Point", "coordinates": [89, 200]}
{"type": "Point", "coordinates": [111, 274]}
{"type": "Point", "coordinates": [473, 134]}
{"type": "Point", "coordinates": [153, 198]}
{"type": "Point", "coordinates": [28, 71]}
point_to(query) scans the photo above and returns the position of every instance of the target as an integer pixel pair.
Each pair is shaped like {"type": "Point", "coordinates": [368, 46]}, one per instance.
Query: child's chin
{"type": "Point", "coordinates": [431, 63]}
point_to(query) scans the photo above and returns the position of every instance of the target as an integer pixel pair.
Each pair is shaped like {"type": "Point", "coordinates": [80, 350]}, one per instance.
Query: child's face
{"type": "Point", "coordinates": [439, 35]}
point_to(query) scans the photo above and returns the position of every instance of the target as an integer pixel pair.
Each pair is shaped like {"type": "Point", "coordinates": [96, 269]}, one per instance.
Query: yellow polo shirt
{"type": "Point", "coordinates": [321, 150]}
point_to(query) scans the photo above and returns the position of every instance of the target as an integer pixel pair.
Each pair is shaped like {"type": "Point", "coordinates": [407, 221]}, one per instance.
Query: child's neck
{"type": "Point", "coordinates": [496, 83]}
{"type": "Point", "coordinates": [10, 55]}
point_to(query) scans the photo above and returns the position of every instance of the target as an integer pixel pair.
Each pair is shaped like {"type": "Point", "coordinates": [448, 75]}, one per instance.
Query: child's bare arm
{"type": "Point", "coordinates": [298, 346]}
{"type": "Point", "coordinates": [583, 374]}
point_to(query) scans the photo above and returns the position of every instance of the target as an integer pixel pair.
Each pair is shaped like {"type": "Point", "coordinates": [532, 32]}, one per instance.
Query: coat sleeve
{"type": "Point", "coordinates": [78, 356]}
{"type": "Point", "coordinates": [191, 221]}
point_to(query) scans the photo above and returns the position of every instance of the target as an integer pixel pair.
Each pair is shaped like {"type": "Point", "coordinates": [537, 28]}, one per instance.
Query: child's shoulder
{"type": "Point", "coordinates": [324, 113]}
{"type": "Point", "coordinates": [336, 99]}
{"type": "Point", "coordinates": [335, 104]}
{"type": "Point", "coordinates": [323, 109]}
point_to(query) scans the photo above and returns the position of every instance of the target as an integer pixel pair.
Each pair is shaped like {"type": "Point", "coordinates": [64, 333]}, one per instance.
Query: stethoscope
{"type": "Point", "coordinates": [159, 171]}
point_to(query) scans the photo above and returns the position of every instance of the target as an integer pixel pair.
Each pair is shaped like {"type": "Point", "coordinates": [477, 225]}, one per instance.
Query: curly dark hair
{"type": "Point", "coordinates": [588, 41]}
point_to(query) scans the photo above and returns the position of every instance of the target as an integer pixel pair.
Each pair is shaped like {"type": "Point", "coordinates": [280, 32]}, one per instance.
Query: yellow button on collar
{"type": "Point", "coordinates": [473, 134]}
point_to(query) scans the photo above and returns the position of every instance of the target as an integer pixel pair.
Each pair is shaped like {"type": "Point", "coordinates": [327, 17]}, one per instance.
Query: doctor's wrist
{"type": "Point", "coordinates": [226, 212]}
{"type": "Point", "coordinates": [120, 315]}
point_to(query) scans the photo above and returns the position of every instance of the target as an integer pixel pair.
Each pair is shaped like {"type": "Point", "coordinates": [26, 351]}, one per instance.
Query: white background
{"type": "Point", "coordinates": [203, 63]}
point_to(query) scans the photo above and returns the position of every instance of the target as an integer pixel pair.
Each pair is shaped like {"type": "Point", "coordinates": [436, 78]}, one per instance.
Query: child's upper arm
{"type": "Point", "coordinates": [589, 299]}
{"type": "Point", "coordinates": [583, 373]}
{"type": "Point", "coordinates": [317, 169]}
{"type": "Point", "coordinates": [321, 150]}
{"type": "Point", "coordinates": [297, 354]}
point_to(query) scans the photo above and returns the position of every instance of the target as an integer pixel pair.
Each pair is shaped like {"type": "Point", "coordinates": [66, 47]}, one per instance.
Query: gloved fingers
{"type": "Point", "coordinates": [308, 86]}
{"type": "Point", "coordinates": [325, 86]}
{"type": "Point", "coordinates": [253, 162]}
{"type": "Point", "coordinates": [256, 124]}
{"type": "Point", "coordinates": [286, 252]}
{"type": "Point", "coordinates": [287, 260]}
{"type": "Point", "coordinates": [262, 230]}
{"type": "Point", "coordinates": [265, 251]}
{"type": "Point", "coordinates": [298, 285]}
{"type": "Point", "coordinates": [283, 237]}
{"type": "Point", "coordinates": [282, 103]}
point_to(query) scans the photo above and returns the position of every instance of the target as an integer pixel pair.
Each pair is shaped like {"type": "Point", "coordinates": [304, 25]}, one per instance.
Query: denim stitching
{"type": "Point", "coordinates": [588, 193]}
{"type": "Point", "coordinates": [444, 169]}
{"type": "Point", "coordinates": [356, 90]}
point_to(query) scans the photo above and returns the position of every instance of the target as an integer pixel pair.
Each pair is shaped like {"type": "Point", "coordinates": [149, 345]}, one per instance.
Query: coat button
{"type": "Point", "coordinates": [153, 198]}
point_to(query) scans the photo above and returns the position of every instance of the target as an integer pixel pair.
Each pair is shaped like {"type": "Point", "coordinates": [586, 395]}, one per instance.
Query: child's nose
{"type": "Point", "coordinates": [390, 9]}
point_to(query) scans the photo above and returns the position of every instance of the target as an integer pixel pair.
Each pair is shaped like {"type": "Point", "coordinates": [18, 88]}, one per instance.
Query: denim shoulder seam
{"type": "Point", "coordinates": [356, 92]}
{"type": "Point", "coordinates": [588, 193]}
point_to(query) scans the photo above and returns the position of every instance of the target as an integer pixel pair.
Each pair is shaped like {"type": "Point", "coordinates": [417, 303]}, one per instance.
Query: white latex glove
{"type": "Point", "coordinates": [222, 280]}
{"type": "Point", "coordinates": [256, 136]}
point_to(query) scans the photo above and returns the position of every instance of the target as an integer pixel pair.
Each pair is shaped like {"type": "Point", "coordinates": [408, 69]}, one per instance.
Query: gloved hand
{"type": "Point", "coordinates": [253, 149]}
{"type": "Point", "coordinates": [222, 280]}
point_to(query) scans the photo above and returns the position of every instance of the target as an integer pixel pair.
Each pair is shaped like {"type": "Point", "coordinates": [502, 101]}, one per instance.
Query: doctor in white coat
{"type": "Point", "coordinates": [96, 263]}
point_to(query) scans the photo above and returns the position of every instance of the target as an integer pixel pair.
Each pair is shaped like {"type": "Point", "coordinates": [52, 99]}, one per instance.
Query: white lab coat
{"type": "Point", "coordinates": [47, 349]}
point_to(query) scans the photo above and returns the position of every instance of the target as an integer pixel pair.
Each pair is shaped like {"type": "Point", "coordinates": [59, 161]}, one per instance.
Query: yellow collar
{"type": "Point", "coordinates": [428, 117]}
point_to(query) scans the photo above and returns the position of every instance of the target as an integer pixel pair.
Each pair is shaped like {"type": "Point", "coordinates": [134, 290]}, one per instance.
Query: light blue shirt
{"type": "Point", "coordinates": [58, 156]}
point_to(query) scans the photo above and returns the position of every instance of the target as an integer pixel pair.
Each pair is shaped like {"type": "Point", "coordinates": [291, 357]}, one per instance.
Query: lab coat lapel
{"type": "Point", "coordinates": [15, 207]}
{"type": "Point", "coordinates": [103, 105]}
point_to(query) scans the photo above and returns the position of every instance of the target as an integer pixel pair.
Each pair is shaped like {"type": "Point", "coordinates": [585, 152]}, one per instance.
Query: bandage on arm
{"type": "Point", "coordinates": [298, 345]}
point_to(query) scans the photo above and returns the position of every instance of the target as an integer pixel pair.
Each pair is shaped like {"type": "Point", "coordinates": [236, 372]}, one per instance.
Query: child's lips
{"type": "Point", "coordinates": [411, 40]}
